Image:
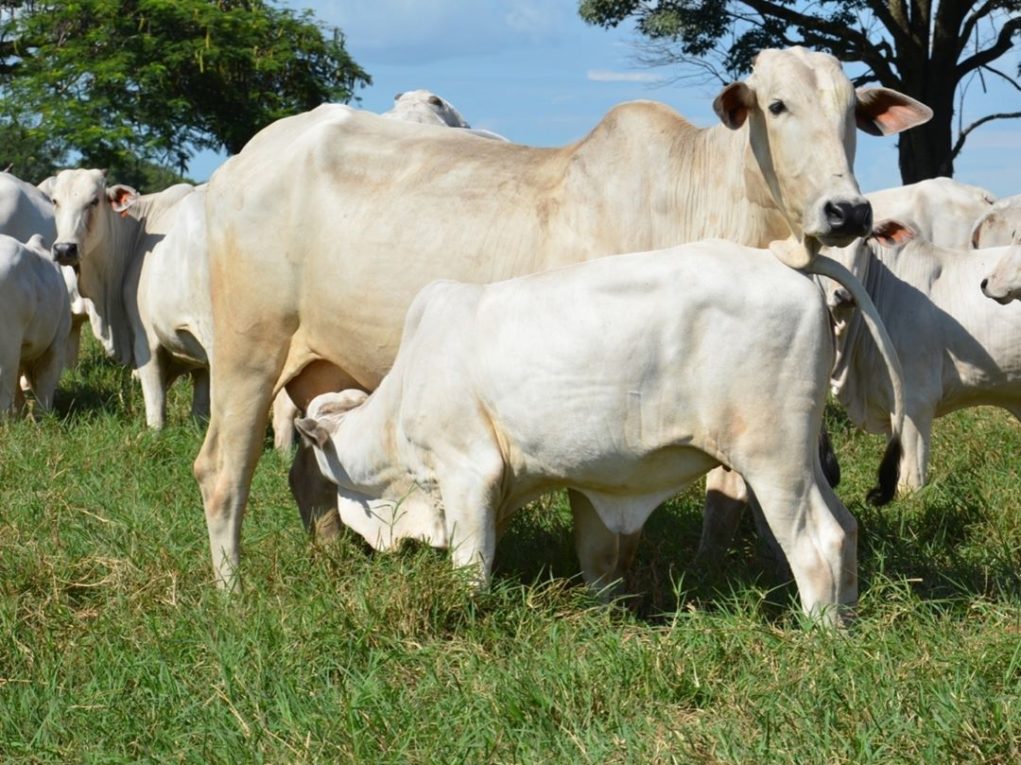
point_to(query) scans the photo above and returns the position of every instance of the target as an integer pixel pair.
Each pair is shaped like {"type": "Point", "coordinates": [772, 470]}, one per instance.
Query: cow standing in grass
{"type": "Point", "coordinates": [326, 225]}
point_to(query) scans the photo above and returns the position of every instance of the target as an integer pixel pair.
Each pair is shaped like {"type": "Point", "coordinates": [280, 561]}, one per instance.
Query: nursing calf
{"type": "Point", "coordinates": [624, 379]}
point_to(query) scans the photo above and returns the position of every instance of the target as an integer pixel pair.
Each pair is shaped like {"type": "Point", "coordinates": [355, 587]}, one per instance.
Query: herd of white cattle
{"type": "Point", "coordinates": [457, 324]}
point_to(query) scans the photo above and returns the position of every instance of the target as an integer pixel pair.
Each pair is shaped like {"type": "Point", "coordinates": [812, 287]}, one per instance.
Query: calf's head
{"type": "Point", "coordinates": [374, 496]}
{"type": "Point", "coordinates": [802, 111]}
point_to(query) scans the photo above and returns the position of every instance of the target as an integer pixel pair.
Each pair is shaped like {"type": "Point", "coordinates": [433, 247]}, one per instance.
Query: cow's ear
{"type": "Point", "coordinates": [733, 104]}
{"type": "Point", "coordinates": [892, 233]}
{"type": "Point", "coordinates": [312, 432]}
{"type": "Point", "coordinates": [881, 111]}
{"type": "Point", "coordinates": [121, 197]}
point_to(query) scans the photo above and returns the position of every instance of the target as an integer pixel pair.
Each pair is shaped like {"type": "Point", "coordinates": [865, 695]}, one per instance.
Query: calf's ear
{"type": "Point", "coordinates": [312, 432]}
{"type": "Point", "coordinates": [733, 103]}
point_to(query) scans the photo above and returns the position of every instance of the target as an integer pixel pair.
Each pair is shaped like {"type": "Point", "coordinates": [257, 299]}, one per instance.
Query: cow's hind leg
{"type": "Point", "coordinates": [604, 556]}
{"type": "Point", "coordinates": [726, 498]}
{"type": "Point", "coordinates": [44, 374]}
{"type": "Point", "coordinates": [816, 533]}
{"type": "Point", "coordinates": [230, 451]}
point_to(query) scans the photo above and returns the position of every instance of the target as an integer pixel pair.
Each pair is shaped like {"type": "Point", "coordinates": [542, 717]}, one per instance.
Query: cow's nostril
{"type": "Point", "coordinates": [65, 253]}
{"type": "Point", "coordinates": [985, 283]}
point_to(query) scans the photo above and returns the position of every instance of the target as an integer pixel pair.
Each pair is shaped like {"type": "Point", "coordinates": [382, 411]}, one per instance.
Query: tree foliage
{"type": "Point", "coordinates": [129, 85]}
{"type": "Point", "coordinates": [928, 49]}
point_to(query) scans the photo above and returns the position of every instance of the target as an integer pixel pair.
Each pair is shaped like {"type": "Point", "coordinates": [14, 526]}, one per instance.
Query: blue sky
{"type": "Point", "coordinates": [534, 72]}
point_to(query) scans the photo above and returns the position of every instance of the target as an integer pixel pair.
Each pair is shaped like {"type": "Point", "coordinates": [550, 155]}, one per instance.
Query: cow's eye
{"type": "Point", "coordinates": [778, 107]}
{"type": "Point", "coordinates": [55, 203]}
{"type": "Point", "coordinates": [94, 202]}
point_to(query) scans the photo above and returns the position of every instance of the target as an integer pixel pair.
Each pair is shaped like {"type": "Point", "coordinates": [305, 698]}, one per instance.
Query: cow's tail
{"type": "Point", "coordinates": [889, 468]}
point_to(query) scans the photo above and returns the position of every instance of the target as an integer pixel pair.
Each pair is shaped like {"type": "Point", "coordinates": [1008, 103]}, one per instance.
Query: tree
{"type": "Point", "coordinates": [141, 85]}
{"type": "Point", "coordinates": [928, 49]}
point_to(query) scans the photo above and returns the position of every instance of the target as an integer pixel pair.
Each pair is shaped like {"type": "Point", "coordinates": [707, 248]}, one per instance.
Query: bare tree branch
{"type": "Point", "coordinates": [1012, 81]}
{"type": "Point", "coordinates": [959, 144]}
{"type": "Point", "coordinates": [1004, 42]}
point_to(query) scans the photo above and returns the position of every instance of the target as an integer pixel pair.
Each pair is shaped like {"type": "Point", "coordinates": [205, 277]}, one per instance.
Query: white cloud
{"type": "Point", "coordinates": [607, 75]}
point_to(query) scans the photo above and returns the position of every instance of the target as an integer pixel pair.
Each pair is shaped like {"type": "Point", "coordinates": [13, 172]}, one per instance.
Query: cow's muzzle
{"type": "Point", "coordinates": [848, 220]}
{"type": "Point", "coordinates": [1001, 297]}
{"type": "Point", "coordinates": [65, 253]}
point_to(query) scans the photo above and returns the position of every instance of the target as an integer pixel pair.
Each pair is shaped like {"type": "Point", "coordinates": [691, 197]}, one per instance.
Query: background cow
{"type": "Point", "coordinates": [957, 348]}
{"type": "Point", "coordinates": [943, 211]}
{"type": "Point", "coordinates": [999, 226]}
{"type": "Point", "coordinates": [35, 319]}
{"type": "Point", "coordinates": [108, 232]}
{"type": "Point", "coordinates": [326, 224]}
{"type": "Point", "coordinates": [26, 210]}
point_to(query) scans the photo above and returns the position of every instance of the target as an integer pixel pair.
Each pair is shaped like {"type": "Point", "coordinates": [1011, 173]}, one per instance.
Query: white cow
{"type": "Point", "coordinates": [1000, 226]}
{"type": "Point", "coordinates": [109, 233]}
{"type": "Point", "coordinates": [427, 108]}
{"type": "Point", "coordinates": [625, 379]}
{"type": "Point", "coordinates": [957, 348]}
{"type": "Point", "coordinates": [177, 321]}
{"type": "Point", "coordinates": [35, 319]}
{"type": "Point", "coordinates": [324, 227]}
{"type": "Point", "coordinates": [25, 210]}
{"type": "Point", "coordinates": [942, 210]}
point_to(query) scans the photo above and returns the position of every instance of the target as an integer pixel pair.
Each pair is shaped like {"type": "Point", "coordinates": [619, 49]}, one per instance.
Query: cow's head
{"type": "Point", "coordinates": [428, 105]}
{"type": "Point", "coordinates": [999, 227]}
{"type": "Point", "coordinates": [323, 420]}
{"type": "Point", "coordinates": [81, 205]}
{"type": "Point", "coordinates": [801, 111]}
{"type": "Point", "coordinates": [1004, 282]}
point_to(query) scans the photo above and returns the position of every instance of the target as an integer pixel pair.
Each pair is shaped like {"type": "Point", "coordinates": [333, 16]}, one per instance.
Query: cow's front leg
{"type": "Point", "coordinates": [604, 555]}
{"type": "Point", "coordinates": [726, 498]}
{"type": "Point", "coordinates": [470, 516]}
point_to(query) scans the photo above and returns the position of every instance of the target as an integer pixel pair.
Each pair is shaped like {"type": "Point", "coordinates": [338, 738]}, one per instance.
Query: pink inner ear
{"type": "Point", "coordinates": [892, 232]}
{"type": "Point", "coordinates": [896, 118]}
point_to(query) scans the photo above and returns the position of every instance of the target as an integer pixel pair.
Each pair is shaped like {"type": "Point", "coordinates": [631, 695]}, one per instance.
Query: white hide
{"type": "Point", "coordinates": [1000, 226]}
{"type": "Point", "coordinates": [942, 210]}
{"type": "Point", "coordinates": [324, 227]}
{"type": "Point", "coordinates": [25, 210]}
{"type": "Point", "coordinates": [35, 318]}
{"type": "Point", "coordinates": [624, 379]}
{"type": "Point", "coordinates": [957, 348]}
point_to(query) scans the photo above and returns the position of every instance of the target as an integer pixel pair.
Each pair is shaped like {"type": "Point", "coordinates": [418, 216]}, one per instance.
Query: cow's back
{"type": "Point", "coordinates": [25, 211]}
{"type": "Point", "coordinates": [664, 346]}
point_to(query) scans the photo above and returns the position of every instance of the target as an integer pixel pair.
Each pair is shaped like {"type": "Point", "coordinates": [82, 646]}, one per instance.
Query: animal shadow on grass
{"type": "Point", "coordinates": [98, 386]}
{"type": "Point", "coordinates": [539, 545]}
{"type": "Point", "coordinates": [939, 541]}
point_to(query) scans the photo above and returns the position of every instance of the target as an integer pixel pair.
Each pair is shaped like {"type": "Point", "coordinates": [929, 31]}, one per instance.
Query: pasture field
{"type": "Point", "coordinates": [116, 648]}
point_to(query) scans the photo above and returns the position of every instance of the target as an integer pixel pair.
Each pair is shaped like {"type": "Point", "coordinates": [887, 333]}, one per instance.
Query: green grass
{"type": "Point", "coordinates": [114, 646]}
